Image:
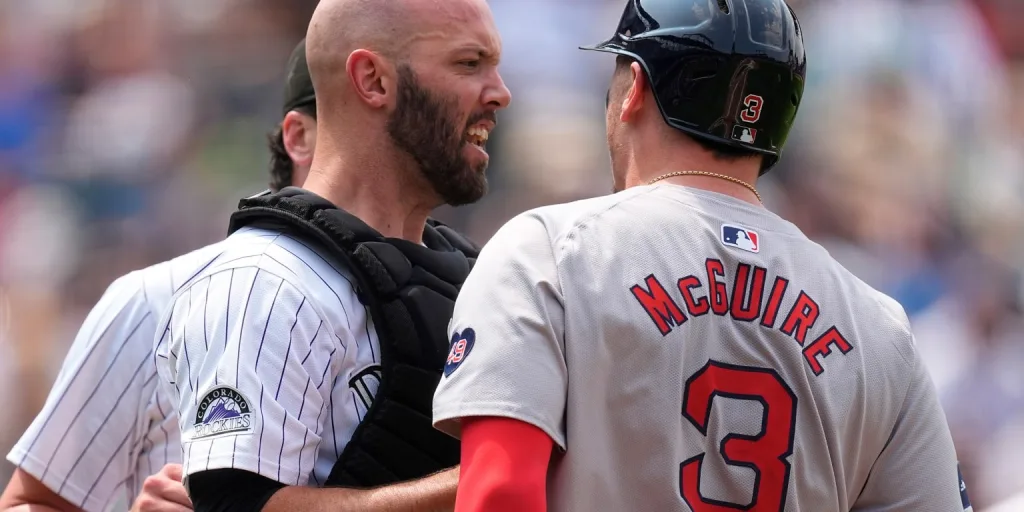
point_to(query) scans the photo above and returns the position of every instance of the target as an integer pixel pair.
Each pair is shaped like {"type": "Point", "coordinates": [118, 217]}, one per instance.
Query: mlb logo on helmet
{"type": "Point", "coordinates": [744, 134]}
{"type": "Point", "coordinates": [741, 238]}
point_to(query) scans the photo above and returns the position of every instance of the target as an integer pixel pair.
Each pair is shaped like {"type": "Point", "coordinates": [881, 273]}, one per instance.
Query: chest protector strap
{"type": "Point", "coordinates": [410, 292]}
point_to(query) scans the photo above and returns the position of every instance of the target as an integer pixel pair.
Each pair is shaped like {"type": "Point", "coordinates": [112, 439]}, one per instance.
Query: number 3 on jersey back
{"type": "Point", "coordinates": [765, 453]}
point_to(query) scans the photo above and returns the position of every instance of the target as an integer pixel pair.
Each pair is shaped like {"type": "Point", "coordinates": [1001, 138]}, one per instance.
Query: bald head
{"type": "Point", "coordinates": [388, 28]}
{"type": "Point", "coordinates": [339, 27]}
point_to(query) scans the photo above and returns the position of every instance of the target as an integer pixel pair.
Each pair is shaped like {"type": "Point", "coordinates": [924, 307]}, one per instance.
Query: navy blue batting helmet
{"type": "Point", "coordinates": [727, 71]}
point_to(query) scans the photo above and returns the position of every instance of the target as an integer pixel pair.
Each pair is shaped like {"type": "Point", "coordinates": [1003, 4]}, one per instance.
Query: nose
{"type": "Point", "coordinates": [497, 94]}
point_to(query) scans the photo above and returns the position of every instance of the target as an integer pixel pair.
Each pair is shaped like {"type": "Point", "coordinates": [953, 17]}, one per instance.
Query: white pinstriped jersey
{"type": "Point", "coordinates": [270, 359]}
{"type": "Point", "coordinates": [690, 352]}
{"type": "Point", "coordinates": [105, 426]}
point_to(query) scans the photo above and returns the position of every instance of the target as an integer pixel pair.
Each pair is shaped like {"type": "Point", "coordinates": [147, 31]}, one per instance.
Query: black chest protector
{"type": "Point", "coordinates": [410, 292]}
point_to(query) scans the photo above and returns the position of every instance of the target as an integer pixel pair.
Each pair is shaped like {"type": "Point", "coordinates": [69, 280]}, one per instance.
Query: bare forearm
{"type": "Point", "coordinates": [31, 507]}
{"type": "Point", "coordinates": [435, 493]}
{"type": "Point", "coordinates": [24, 493]}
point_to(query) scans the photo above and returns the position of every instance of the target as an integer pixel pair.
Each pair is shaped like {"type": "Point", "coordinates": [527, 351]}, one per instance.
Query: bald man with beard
{"type": "Point", "coordinates": [302, 360]}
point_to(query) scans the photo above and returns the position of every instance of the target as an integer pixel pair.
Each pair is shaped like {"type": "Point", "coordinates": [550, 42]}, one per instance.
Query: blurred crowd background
{"type": "Point", "coordinates": [130, 128]}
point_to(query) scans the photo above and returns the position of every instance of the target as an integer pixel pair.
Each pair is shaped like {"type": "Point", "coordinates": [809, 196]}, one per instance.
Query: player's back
{"type": "Point", "coordinates": [716, 357]}
{"type": "Point", "coordinates": [105, 426]}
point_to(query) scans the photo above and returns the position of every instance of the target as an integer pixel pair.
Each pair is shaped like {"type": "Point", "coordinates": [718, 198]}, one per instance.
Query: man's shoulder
{"type": "Point", "coordinates": [563, 219]}
{"type": "Point", "coordinates": [156, 284]}
{"type": "Point", "coordinates": [248, 248]}
{"type": "Point", "coordinates": [889, 312]}
{"type": "Point", "coordinates": [251, 256]}
{"type": "Point", "coordinates": [872, 311]}
{"type": "Point", "coordinates": [891, 317]}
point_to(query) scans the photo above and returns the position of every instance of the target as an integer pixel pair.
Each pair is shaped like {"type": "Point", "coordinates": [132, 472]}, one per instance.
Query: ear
{"type": "Point", "coordinates": [371, 77]}
{"type": "Point", "coordinates": [298, 132]}
{"type": "Point", "coordinates": [635, 96]}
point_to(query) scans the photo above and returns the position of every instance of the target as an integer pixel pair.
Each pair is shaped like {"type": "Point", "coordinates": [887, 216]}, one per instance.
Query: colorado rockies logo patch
{"type": "Point", "coordinates": [223, 411]}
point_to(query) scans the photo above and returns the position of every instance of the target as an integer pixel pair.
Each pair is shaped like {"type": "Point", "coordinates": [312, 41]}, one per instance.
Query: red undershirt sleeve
{"type": "Point", "coordinates": [504, 466]}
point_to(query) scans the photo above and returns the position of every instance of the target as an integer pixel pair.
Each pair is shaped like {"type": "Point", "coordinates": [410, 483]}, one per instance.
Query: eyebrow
{"type": "Point", "coordinates": [481, 51]}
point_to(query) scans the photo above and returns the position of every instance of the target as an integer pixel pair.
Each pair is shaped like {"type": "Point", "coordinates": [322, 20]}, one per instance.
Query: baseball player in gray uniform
{"type": "Point", "coordinates": [106, 425]}
{"type": "Point", "coordinates": [675, 346]}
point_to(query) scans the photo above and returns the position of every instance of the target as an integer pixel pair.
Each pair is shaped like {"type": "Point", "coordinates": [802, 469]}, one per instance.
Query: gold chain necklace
{"type": "Point", "coordinates": [710, 174]}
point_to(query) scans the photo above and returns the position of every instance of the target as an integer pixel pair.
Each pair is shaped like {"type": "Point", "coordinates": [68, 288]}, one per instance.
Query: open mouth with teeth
{"type": "Point", "coordinates": [477, 136]}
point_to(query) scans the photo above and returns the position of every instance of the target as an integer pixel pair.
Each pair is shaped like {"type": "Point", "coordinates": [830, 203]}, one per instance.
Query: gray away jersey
{"type": "Point", "coordinates": [106, 425]}
{"type": "Point", "coordinates": [270, 360]}
{"type": "Point", "coordinates": [687, 351]}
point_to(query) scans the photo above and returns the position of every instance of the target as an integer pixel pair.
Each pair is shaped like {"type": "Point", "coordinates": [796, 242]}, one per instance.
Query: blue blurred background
{"type": "Point", "coordinates": [130, 128]}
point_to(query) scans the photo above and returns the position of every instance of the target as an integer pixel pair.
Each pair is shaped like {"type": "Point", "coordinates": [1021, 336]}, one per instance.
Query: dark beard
{"type": "Point", "coordinates": [424, 125]}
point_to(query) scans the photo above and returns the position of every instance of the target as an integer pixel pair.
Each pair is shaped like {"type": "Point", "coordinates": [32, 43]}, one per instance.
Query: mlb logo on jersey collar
{"type": "Point", "coordinates": [461, 345]}
{"type": "Point", "coordinates": [741, 238]}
